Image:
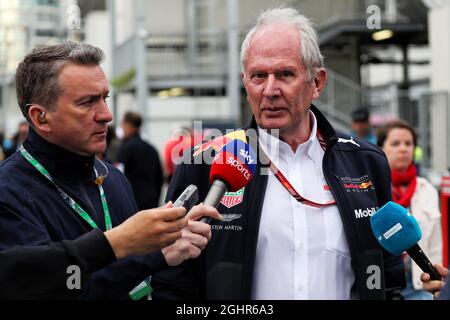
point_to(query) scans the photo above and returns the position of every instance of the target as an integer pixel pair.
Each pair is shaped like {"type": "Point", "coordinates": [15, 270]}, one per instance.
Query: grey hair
{"type": "Point", "coordinates": [310, 53]}
{"type": "Point", "coordinates": [37, 76]}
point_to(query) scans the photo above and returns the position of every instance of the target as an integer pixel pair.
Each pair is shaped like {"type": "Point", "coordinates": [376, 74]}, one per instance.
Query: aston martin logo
{"type": "Point", "coordinates": [231, 217]}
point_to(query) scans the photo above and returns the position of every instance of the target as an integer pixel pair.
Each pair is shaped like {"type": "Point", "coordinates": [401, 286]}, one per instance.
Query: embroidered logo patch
{"type": "Point", "coordinates": [359, 184]}
{"type": "Point", "coordinates": [341, 140]}
{"type": "Point", "coordinates": [231, 217]}
{"type": "Point", "coordinates": [231, 199]}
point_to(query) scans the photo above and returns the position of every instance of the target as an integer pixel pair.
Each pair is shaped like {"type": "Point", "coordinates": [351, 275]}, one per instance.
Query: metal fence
{"type": "Point", "coordinates": [428, 113]}
{"type": "Point", "coordinates": [433, 120]}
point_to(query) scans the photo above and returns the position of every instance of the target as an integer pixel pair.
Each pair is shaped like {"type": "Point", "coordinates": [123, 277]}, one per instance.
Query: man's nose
{"type": "Point", "coordinates": [271, 89]}
{"type": "Point", "coordinates": [103, 114]}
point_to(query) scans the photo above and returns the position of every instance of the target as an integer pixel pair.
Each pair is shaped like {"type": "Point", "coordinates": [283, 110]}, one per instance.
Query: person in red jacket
{"type": "Point", "coordinates": [182, 140]}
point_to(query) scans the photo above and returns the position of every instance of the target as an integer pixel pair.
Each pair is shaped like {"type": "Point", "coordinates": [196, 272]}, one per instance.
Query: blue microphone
{"type": "Point", "coordinates": [397, 231]}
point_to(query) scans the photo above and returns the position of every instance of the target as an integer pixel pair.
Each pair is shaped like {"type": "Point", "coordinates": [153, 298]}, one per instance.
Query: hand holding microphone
{"type": "Point", "coordinates": [397, 231]}
{"type": "Point", "coordinates": [434, 286]}
{"type": "Point", "coordinates": [232, 169]}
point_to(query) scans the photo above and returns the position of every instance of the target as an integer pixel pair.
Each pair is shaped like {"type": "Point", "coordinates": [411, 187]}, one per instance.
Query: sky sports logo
{"type": "Point", "coordinates": [242, 168]}
{"type": "Point", "coordinates": [364, 213]}
{"type": "Point", "coordinates": [235, 164]}
{"type": "Point", "coordinates": [247, 156]}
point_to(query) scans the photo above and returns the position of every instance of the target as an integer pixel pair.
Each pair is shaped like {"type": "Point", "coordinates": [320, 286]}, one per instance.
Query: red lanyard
{"type": "Point", "coordinates": [280, 176]}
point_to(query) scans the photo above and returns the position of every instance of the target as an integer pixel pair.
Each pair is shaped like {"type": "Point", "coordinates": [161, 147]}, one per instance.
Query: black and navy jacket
{"type": "Point", "coordinates": [143, 170]}
{"type": "Point", "coordinates": [358, 175]}
{"type": "Point", "coordinates": [32, 213]}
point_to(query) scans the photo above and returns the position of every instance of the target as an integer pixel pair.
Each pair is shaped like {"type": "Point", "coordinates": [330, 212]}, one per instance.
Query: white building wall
{"type": "Point", "coordinates": [19, 23]}
{"type": "Point", "coordinates": [124, 20]}
{"type": "Point", "coordinates": [439, 35]}
{"type": "Point", "coordinates": [98, 28]}
{"type": "Point", "coordinates": [165, 16]}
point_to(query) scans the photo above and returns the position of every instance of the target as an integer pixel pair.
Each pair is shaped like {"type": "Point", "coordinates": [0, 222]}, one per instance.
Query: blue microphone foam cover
{"type": "Point", "coordinates": [395, 228]}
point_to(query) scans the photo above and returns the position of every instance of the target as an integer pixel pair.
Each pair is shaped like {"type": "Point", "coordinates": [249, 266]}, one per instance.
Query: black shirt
{"type": "Point", "coordinates": [143, 170]}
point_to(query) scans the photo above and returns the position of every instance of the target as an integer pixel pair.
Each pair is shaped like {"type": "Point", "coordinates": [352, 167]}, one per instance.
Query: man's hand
{"type": "Point", "coordinates": [195, 236]}
{"type": "Point", "coordinates": [147, 231]}
{"type": "Point", "coordinates": [434, 287]}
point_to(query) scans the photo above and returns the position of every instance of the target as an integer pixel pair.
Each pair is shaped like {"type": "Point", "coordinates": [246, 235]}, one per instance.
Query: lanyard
{"type": "Point", "coordinates": [288, 186]}
{"type": "Point", "coordinates": [68, 199]}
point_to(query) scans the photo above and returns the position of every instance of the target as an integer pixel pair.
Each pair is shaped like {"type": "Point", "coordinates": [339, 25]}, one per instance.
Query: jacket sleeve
{"type": "Point", "coordinates": [116, 280]}
{"type": "Point", "coordinates": [177, 283]}
{"type": "Point", "coordinates": [434, 247]}
{"type": "Point", "coordinates": [394, 275]}
{"type": "Point", "coordinates": [394, 269]}
{"type": "Point", "coordinates": [110, 281]}
{"type": "Point", "coordinates": [445, 293]}
{"type": "Point", "coordinates": [36, 272]}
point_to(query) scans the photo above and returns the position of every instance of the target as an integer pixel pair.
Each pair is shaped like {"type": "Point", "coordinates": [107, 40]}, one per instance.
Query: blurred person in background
{"type": "Point", "coordinates": [21, 135]}
{"type": "Point", "coordinates": [181, 140]}
{"type": "Point", "coordinates": [12, 145]}
{"type": "Point", "coordinates": [112, 146]}
{"type": "Point", "coordinates": [361, 125]}
{"type": "Point", "coordinates": [398, 140]}
{"type": "Point", "coordinates": [140, 163]}
{"type": "Point", "coordinates": [2, 154]}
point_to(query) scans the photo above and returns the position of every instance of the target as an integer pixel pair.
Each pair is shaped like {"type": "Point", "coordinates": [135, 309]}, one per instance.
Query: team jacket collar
{"type": "Point", "coordinates": [324, 128]}
{"type": "Point", "coordinates": [274, 147]}
{"type": "Point", "coordinates": [59, 162]}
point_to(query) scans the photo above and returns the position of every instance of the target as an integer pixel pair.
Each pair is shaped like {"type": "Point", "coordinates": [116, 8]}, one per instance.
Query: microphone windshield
{"type": "Point", "coordinates": [395, 228]}
{"type": "Point", "coordinates": [235, 164]}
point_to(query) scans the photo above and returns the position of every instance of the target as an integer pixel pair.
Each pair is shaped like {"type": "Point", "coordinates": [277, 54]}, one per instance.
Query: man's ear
{"type": "Point", "coordinates": [320, 79]}
{"type": "Point", "coordinates": [38, 118]}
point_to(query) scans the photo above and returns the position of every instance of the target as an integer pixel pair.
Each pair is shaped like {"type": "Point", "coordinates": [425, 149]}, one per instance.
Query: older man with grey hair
{"type": "Point", "coordinates": [303, 230]}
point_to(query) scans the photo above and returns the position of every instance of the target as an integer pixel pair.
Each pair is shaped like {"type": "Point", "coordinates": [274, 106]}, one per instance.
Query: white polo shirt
{"type": "Point", "coordinates": [302, 251]}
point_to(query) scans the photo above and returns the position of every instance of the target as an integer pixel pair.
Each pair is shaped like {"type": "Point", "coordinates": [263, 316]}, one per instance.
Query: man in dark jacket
{"type": "Point", "coordinates": [54, 189]}
{"type": "Point", "coordinates": [140, 162]}
{"type": "Point", "coordinates": [52, 265]}
{"type": "Point", "coordinates": [301, 228]}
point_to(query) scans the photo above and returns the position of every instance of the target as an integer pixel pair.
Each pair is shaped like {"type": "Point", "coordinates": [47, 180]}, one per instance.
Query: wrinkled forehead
{"type": "Point", "coordinates": [275, 42]}
{"type": "Point", "coordinates": [83, 77]}
{"type": "Point", "coordinates": [276, 34]}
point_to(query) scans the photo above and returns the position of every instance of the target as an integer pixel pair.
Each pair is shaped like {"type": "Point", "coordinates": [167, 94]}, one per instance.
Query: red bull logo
{"type": "Point", "coordinates": [365, 185]}
{"type": "Point", "coordinates": [358, 186]}
{"type": "Point", "coordinates": [216, 144]}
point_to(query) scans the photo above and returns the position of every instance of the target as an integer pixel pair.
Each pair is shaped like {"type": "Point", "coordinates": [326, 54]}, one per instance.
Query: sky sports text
{"type": "Point", "coordinates": [242, 168]}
